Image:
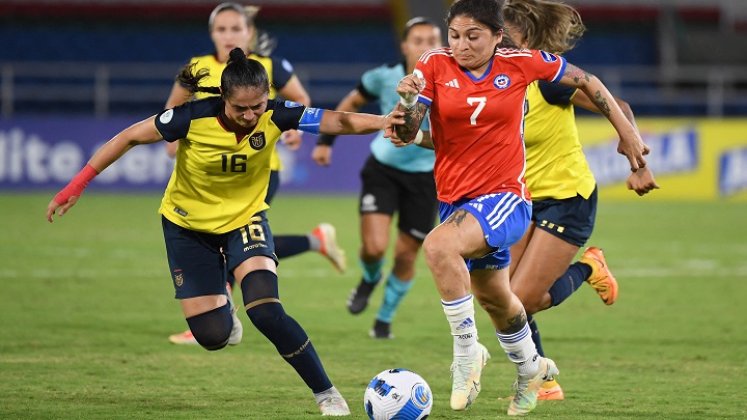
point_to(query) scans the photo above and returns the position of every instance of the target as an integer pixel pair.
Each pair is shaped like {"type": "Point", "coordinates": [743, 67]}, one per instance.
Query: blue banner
{"type": "Point", "coordinates": [44, 153]}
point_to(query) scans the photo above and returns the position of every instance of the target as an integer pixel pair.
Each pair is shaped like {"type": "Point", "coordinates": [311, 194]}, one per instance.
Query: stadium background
{"type": "Point", "coordinates": [85, 304]}
{"type": "Point", "coordinates": [75, 72]}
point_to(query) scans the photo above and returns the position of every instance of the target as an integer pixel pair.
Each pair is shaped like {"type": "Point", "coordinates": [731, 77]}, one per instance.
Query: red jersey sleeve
{"type": "Point", "coordinates": [545, 66]}
{"type": "Point", "coordinates": [425, 70]}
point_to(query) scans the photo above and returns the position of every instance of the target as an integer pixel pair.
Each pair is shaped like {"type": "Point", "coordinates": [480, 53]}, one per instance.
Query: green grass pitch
{"type": "Point", "coordinates": [86, 305]}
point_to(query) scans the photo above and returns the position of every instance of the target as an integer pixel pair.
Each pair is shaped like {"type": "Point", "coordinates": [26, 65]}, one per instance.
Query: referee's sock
{"type": "Point", "coordinates": [395, 291]}
{"type": "Point", "coordinates": [372, 270]}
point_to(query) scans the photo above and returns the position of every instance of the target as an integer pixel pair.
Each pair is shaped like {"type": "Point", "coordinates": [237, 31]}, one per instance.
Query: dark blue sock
{"type": "Point", "coordinates": [290, 245]}
{"type": "Point", "coordinates": [569, 282]}
{"type": "Point", "coordinates": [290, 339]}
{"type": "Point", "coordinates": [535, 335]}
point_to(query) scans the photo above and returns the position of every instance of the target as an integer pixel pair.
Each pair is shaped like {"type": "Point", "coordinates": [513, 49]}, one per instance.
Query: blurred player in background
{"type": "Point", "coordinates": [213, 209]}
{"type": "Point", "coordinates": [475, 93]}
{"type": "Point", "coordinates": [564, 193]}
{"type": "Point", "coordinates": [231, 25]}
{"type": "Point", "coordinates": [393, 180]}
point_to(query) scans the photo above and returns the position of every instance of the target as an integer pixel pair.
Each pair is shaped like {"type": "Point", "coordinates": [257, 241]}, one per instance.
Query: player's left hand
{"type": "Point", "coordinates": [642, 181]}
{"type": "Point", "coordinates": [292, 139]}
{"type": "Point", "coordinates": [634, 149]}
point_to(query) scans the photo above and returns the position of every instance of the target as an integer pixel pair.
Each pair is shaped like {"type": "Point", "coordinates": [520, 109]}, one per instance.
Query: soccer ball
{"type": "Point", "coordinates": [398, 393]}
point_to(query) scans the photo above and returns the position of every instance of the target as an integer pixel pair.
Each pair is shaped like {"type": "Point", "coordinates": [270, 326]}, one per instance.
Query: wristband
{"type": "Point", "coordinates": [418, 137]}
{"type": "Point", "coordinates": [408, 103]}
{"type": "Point", "coordinates": [76, 186]}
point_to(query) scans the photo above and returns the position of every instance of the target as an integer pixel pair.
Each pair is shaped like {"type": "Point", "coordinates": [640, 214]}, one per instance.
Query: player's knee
{"type": "Point", "coordinates": [373, 249]}
{"type": "Point", "coordinates": [435, 249]}
{"type": "Point", "coordinates": [261, 299]}
{"type": "Point", "coordinates": [212, 329]}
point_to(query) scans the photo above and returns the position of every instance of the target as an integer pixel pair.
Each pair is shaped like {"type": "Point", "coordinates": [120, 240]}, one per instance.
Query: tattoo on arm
{"type": "Point", "coordinates": [413, 118]}
{"type": "Point", "coordinates": [516, 323]}
{"type": "Point", "coordinates": [576, 74]}
{"type": "Point", "coordinates": [457, 217]}
{"type": "Point", "coordinates": [601, 103]}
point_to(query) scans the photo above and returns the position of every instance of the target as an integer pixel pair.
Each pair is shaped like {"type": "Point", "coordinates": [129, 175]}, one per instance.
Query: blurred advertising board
{"type": "Point", "coordinates": [693, 159]}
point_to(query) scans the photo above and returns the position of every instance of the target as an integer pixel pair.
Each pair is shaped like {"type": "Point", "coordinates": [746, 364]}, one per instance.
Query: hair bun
{"type": "Point", "coordinates": [237, 55]}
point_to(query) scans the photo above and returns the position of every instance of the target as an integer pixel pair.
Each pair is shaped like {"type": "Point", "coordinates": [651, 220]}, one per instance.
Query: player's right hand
{"type": "Point", "coordinates": [54, 207]}
{"type": "Point", "coordinates": [409, 87]}
{"type": "Point", "coordinates": [322, 154]}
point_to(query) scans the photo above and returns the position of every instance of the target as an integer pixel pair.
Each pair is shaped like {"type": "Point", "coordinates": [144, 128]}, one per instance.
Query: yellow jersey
{"type": "Point", "coordinates": [278, 70]}
{"type": "Point", "coordinates": [556, 166]}
{"type": "Point", "coordinates": [220, 177]}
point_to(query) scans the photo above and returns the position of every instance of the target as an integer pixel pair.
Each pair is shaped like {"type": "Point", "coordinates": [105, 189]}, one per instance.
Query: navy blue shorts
{"type": "Point", "coordinates": [199, 262]}
{"type": "Point", "coordinates": [570, 219]}
{"type": "Point", "coordinates": [504, 217]}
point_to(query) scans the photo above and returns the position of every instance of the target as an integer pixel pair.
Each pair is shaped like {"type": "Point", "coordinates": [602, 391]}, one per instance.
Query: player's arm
{"type": "Point", "coordinates": [580, 99]}
{"type": "Point", "coordinates": [322, 153]}
{"type": "Point", "coordinates": [641, 181]}
{"type": "Point", "coordinates": [414, 112]}
{"type": "Point", "coordinates": [179, 95]}
{"type": "Point", "coordinates": [143, 132]}
{"type": "Point", "coordinates": [631, 145]}
{"type": "Point", "coordinates": [337, 122]}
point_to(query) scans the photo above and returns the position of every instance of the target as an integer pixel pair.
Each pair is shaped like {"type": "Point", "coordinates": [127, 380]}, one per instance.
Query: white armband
{"type": "Point", "coordinates": [408, 102]}
{"type": "Point", "coordinates": [418, 137]}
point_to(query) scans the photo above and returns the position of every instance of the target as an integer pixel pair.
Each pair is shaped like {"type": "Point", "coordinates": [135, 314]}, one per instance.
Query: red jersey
{"type": "Point", "coordinates": [477, 123]}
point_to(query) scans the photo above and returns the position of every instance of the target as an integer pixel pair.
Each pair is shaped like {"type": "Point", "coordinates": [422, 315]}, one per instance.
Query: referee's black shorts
{"type": "Point", "coordinates": [387, 190]}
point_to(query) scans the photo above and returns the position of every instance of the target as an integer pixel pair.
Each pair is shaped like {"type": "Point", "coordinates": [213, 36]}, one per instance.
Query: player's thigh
{"type": "Point", "coordinates": [517, 250]}
{"type": "Point", "coordinates": [561, 227]}
{"type": "Point", "coordinates": [197, 268]}
{"type": "Point", "coordinates": [250, 247]}
{"type": "Point", "coordinates": [195, 260]}
{"type": "Point", "coordinates": [545, 258]}
{"type": "Point", "coordinates": [459, 233]}
{"type": "Point", "coordinates": [418, 205]}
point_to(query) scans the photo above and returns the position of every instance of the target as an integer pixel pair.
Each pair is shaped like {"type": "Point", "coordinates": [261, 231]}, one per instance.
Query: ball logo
{"type": "Point", "coordinates": [502, 81]}
{"type": "Point", "coordinates": [166, 117]}
{"type": "Point", "coordinates": [420, 396]}
{"type": "Point", "coordinates": [257, 141]}
{"type": "Point", "coordinates": [549, 58]}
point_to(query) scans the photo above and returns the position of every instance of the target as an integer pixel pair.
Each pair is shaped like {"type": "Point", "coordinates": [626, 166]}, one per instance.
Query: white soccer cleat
{"type": "Point", "coordinates": [328, 246]}
{"type": "Point", "coordinates": [526, 387]}
{"type": "Point", "coordinates": [237, 331]}
{"type": "Point", "coordinates": [334, 405]}
{"type": "Point", "coordinates": [465, 373]}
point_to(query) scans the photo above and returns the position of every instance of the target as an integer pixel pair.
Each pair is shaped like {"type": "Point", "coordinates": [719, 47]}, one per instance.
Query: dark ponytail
{"type": "Point", "coordinates": [191, 80]}
{"type": "Point", "coordinates": [243, 72]}
{"type": "Point", "coordinates": [240, 71]}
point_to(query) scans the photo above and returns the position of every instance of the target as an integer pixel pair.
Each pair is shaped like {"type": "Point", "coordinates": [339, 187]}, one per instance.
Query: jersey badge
{"type": "Point", "coordinates": [166, 117]}
{"type": "Point", "coordinates": [257, 140]}
{"type": "Point", "coordinates": [502, 81]}
{"type": "Point", "coordinates": [291, 104]}
{"type": "Point", "coordinates": [549, 58]}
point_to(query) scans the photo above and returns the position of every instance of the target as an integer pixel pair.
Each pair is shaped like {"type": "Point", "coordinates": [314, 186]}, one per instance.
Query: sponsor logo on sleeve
{"type": "Point", "coordinates": [548, 57]}
{"type": "Point", "coordinates": [166, 117]}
